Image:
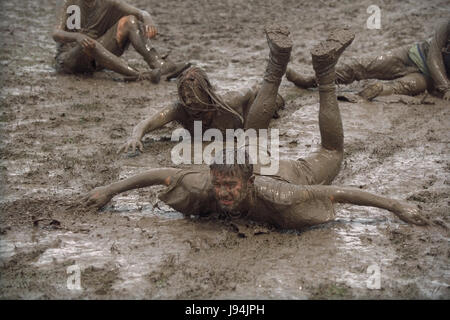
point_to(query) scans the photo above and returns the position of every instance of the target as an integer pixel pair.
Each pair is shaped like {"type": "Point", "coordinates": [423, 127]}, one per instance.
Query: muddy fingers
{"type": "Point", "coordinates": [131, 144]}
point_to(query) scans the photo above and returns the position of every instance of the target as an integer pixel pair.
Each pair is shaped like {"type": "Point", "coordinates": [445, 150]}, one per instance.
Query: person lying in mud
{"type": "Point", "coordinates": [296, 197]}
{"type": "Point", "coordinates": [413, 69]}
{"type": "Point", "coordinates": [198, 101]}
{"type": "Point", "coordinates": [107, 27]}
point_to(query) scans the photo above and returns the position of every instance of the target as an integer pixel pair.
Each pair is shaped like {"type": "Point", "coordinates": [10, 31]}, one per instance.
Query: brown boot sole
{"type": "Point", "coordinates": [329, 51]}
{"type": "Point", "coordinates": [278, 38]}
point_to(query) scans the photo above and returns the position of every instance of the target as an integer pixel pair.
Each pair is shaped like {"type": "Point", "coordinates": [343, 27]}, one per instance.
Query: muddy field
{"type": "Point", "coordinates": [59, 136]}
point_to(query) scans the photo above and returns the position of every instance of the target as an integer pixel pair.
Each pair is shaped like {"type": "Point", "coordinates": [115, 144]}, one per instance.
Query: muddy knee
{"type": "Point", "coordinates": [124, 26]}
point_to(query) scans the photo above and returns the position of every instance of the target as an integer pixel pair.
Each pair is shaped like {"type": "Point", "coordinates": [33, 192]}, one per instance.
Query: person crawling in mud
{"type": "Point", "coordinates": [198, 101]}
{"type": "Point", "coordinates": [296, 197]}
{"type": "Point", "coordinates": [107, 27]}
{"type": "Point", "coordinates": [413, 69]}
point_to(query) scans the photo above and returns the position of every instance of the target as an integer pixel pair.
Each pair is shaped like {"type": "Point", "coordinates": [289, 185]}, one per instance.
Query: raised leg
{"type": "Point", "coordinates": [130, 29]}
{"type": "Point", "coordinates": [264, 106]}
{"type": "Point", "coordinates": [325, 163]}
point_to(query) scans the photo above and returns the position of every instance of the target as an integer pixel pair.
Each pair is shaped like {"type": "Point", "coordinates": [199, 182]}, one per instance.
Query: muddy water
{"type": "Point", "coordinates": [59, 135]}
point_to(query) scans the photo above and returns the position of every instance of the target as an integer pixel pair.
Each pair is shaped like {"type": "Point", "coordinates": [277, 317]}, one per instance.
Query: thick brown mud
{"type": "Point", "coordinates": [60, 133]}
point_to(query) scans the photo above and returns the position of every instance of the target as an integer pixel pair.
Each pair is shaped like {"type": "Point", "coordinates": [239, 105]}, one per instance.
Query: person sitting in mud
{"type": "Point", "coordinates": [296, 197]}
{"type": "Point", "coordinates": [107, 27]}
{"type": "Point", "coordinates": [198, 101]}
{"type": "Point", "coordinates": [413, 69]}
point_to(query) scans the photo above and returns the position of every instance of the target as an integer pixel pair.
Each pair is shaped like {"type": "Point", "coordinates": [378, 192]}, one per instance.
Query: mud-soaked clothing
{"type": "Point", "coordinates": [280, 199]}
{"type": "Point", "coordinates": [407, 60]}
{"type": "Point", "coordinates": [99, 23]}
{"type": "Point", "coordinates": [389, 66]}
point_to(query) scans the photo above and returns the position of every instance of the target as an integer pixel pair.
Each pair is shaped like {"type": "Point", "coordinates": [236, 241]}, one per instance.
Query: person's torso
{"type": "Point", "coordinates": [99, 18]}
{"type": "Point", "coordinates": [282, 204]}
{"type": "Point", "coordinates": [425, 46]}
{"type": "Point", "coordinates": [191, 193]}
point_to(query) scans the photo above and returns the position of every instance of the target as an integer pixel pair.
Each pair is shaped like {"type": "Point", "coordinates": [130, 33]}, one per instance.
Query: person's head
{"type": "Point", "coordinates": [232, 182]}
{"type": "Point", "coordinates": [197, 95]}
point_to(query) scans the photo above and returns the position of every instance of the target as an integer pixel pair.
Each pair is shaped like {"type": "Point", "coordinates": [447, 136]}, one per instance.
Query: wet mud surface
{"type": "Point", "coordinates": [59, 135]}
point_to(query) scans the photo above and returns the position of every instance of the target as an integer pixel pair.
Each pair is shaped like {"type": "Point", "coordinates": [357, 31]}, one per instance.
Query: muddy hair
{"type": "Point", "coordinates": [198, 77]}
{"type": "Point", "coordinates": [241, 163]}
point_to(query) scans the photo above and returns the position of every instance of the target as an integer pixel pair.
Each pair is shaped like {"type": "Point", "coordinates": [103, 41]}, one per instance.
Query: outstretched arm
{"type": "Point", "coordinates": [142, 15]}
{"type": "Point", "coordinates": [100, 196]}
{"type": "Point", "coordinates": [404, 211]}
{"type": "Point", "coordinates": [435, 61]}
{"type": "Point", "coordinates": [154, 122]}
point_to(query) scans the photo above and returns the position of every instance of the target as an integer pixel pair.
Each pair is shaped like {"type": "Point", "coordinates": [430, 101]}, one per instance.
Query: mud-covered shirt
{"type": "Point", "coordinates": [281, 200]}
{"type": "Point", "coordinates": [94, 21]}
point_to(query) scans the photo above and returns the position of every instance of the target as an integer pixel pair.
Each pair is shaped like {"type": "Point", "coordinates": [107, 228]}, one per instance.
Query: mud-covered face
{"type": "Point", "coordinates": [230, 191]}
{"type": "Point", "coordinates": [195, 99]}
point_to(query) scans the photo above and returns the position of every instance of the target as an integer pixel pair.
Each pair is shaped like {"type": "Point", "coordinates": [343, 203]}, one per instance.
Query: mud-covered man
{"type": "Point", "coordinates": [412, 69]}
{"type": "Point", "coordinates": [296, 197]}
{"type": "Point", "coordinates": [198, 100]}
{"type": "Point", "coordinates": [106, 29]}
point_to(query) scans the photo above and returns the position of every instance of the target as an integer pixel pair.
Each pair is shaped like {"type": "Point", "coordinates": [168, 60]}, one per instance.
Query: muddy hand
{"type": "Point", "coordinates": [410, 214]}
{"type": "Point", "coordinates": [131, 144]}
{"type": "Point", "coordinates": [86, 42]}
{"type": "Point", "coordinates": [150, 31]}
{"type": "Point", "coordinates": [98, 197]}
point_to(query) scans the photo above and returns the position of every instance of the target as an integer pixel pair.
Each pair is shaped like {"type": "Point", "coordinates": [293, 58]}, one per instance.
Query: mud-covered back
{"type": "Point", "coordinates": [290, 206]}
{"type": "Point", "coordinates": [190, 193]}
